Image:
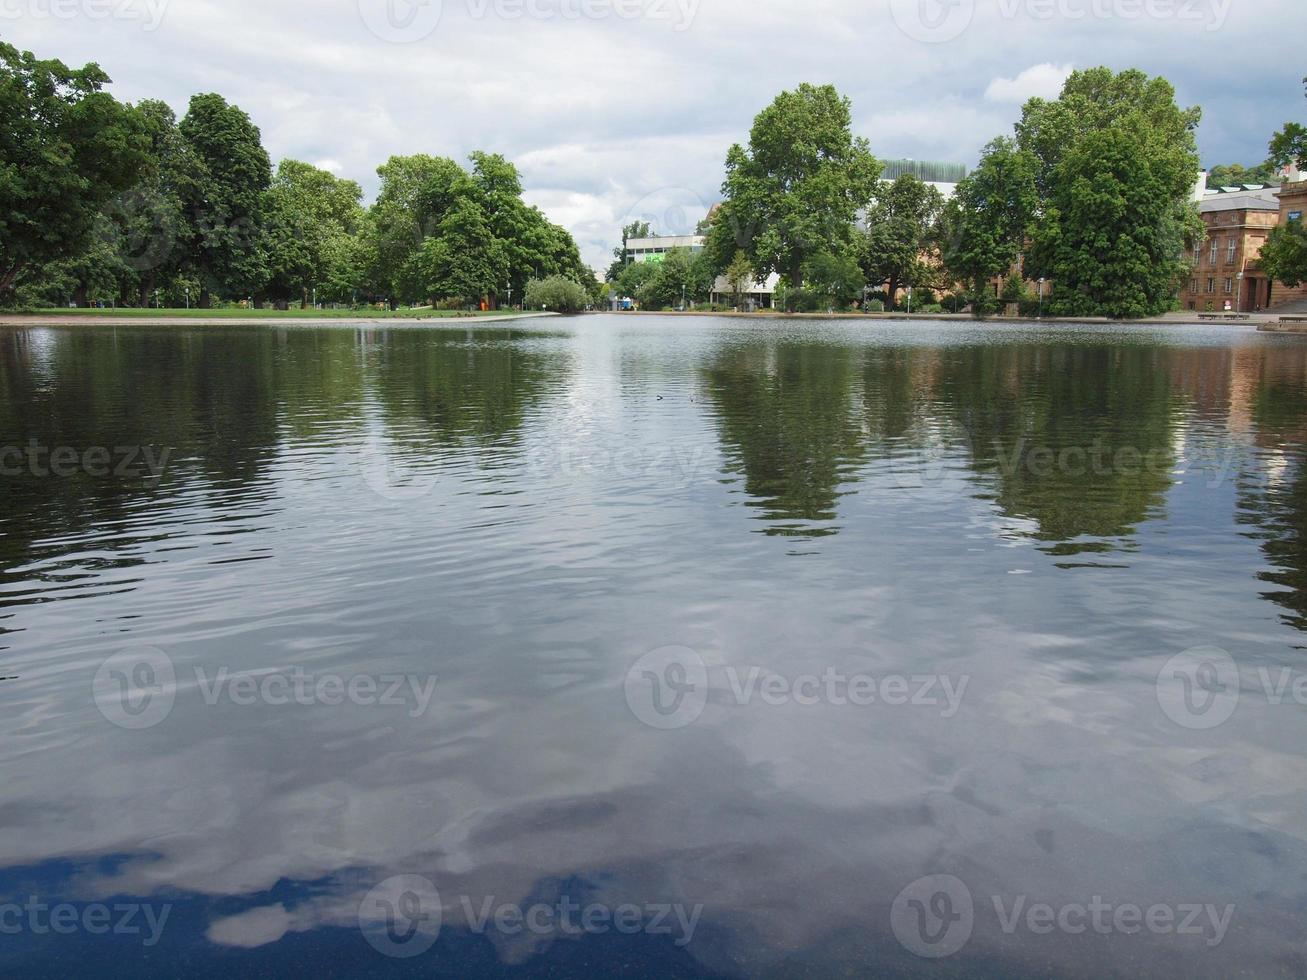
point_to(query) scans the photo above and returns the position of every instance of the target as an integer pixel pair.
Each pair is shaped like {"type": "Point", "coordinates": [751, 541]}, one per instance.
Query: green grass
{"type": "Point", "coordinates": [239, 314]}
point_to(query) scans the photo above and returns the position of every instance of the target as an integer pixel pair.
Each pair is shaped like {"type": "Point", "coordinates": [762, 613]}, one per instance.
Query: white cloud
{"type": "Point", "coordinates": [1040, 81]}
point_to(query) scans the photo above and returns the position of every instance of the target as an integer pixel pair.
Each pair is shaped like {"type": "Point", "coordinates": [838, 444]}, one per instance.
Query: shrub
{"type": "Point", "coordinates": [953, 303]}
{"type": "Point", "coordinates": [875, 306]}
{"type": "Point", "coordinates": [556, 293]}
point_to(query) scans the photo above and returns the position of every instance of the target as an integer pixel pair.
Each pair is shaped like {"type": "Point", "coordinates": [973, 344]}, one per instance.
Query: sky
{"type": "Point", "coordinates": [621, 109]}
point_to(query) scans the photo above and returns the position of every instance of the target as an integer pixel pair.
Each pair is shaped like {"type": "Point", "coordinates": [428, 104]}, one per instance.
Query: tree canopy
{"type": "Point", "coordinates": [799, 186]}
{"type": "Point", "coordinates": [67, 148]}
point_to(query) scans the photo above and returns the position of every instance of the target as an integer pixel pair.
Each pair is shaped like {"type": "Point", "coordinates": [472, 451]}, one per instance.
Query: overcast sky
{"type": "Point", "coordinates": [619, 108]}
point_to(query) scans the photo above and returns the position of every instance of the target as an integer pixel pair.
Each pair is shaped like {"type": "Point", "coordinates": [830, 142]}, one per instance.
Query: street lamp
{"type": "Point", "coordinates": [1041, 297]}
{"type": "Point", "coordinates": [909, 301]}
{"type": "Point", "coordinates": [188, 297]}
{"type": "Point", "coordinates": [1238, 299]}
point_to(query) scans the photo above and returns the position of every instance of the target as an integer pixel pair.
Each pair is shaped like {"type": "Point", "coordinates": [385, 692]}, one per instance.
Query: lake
{"type": "Point", "coordinates": [653, 647]}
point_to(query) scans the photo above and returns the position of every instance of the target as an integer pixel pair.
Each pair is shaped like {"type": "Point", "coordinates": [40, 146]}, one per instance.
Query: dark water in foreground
{"type": "Point", "coordinates": [648, 648]}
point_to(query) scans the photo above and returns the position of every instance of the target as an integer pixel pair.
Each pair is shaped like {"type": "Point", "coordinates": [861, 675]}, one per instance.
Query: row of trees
{"type": "Point", "coordinates": [1093, 191]}
{"type": "Point", "coordinates": [103, 201]}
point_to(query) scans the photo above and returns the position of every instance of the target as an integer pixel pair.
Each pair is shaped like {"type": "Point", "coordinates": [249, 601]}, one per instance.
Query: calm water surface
{"type": "Point", "coordinates": [731, 632]}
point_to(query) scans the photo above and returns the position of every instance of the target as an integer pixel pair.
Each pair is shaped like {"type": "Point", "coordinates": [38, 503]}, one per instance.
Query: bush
{"type": "Point", "coordinates": [803, 301]}
{"type": "Point", "coordinates": [875, 306]}
{"type": "Point", "coordinates": [1030, 306]}
{"type": "Point", "coordinates": [931, 308]}
{"type": "Point", "coordinates": [953, 303]}
{"type": "Point", "coordinates": [556, 293]}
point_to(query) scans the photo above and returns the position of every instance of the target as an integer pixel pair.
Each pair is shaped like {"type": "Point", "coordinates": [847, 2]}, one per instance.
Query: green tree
{"type": "Point", "coordinates": [798, 187]}
{"type": "Point", "coordinates": [836, 279]}
{"type": "Point", "coordinates": [1115, 162]}
{"type": "Point", "coordinates": [557, 293]}
{"type": "Point", "coordinates": [681, 275]}
{"type": "Point", "coordinates": [66, 149]}
{"type": "Point", "coordinates": [1290, 145]}
{"type": "Point", "coordinates": [462, 260]}
{"type": "Point", "coordinates": [227, 203]}
{"type": "Point", "coordinates": [312, 217]}
{"type": "Point", "coordinates": [416, 193]}
{"type": "Point", "coordinates": [985, 226]}
{"type": "Point", "coordinates": [1236, 175]}
{"type": "Point", "coordinates": [739, 277]}
{"type": "Point", "coordinates": [1284, 256]}
{"type": "Point", "coordinates": [900, 231]}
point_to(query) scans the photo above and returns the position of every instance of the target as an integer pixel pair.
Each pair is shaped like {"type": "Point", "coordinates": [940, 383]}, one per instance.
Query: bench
{"type": "Point", "coordinates": [1293, 319]}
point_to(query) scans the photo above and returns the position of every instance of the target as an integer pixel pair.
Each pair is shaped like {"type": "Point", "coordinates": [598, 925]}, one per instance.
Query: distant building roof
{"type": "Point", "coordinates": [1255, 198]}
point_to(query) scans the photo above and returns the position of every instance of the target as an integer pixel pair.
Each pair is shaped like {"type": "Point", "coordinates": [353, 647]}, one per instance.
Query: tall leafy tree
{"type": "Point", "coordinates": [796, 190]}
{"type": "Point", "coordinates": [226, 205]}
{"type": "Point", "coordinates": [312, 216]}
{"type": "Point", "coordinates": [463, 260]}
{"type": "Point", "coordinates": [1289, 145]}
{"type": "Point", "coordinates": [900, 230]}
{"type": "Point", "coordinates": [67, 147]}
{"type": "Point", "coordinates": [985, 226]}
{"type": "Point", "coordinates": [1115, 162]}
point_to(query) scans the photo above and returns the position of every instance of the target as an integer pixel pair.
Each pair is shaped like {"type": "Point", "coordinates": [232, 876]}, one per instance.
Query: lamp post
{"type": "Point", "coordinates": [909, 301]}
{"type": "Point", "coordinates": [1041, 297]}
{"type": "Point", "coordinates": [188, 297]}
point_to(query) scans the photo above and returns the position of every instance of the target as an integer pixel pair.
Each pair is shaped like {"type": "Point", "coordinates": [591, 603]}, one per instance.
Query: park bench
{"type": "Point", "coordinates": [1293, 319]}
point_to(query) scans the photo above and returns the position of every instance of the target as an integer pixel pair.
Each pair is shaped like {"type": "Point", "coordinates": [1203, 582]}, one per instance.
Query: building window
{"type": "Point", "coordinates": [1229, 286]}
{"type": "Point", "coordinates": [1198, 252]}
{"type": "Point", "coordinates": [1215, 246]}
{"type": "Point", "coordinates": [1230, 248]}
{"type": "Point", "coordinates": [1211, 285]}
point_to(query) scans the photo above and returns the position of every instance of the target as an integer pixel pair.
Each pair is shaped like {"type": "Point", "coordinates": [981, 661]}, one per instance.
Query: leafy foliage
{"type": "Point", "coordinates": [556, 293]}
{"type": "Point", "coordinates": [67, 148]}
{"type": "Point", "coordinates": [1115, 159]}
{"type": "Point", "coordinates": [798, 187]}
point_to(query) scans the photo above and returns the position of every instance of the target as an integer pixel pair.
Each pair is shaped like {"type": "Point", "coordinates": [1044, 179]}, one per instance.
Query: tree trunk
{"type": "Point", "coordinates": [796, 272]}
{"type": "Point", "coordinates": [206, 299]}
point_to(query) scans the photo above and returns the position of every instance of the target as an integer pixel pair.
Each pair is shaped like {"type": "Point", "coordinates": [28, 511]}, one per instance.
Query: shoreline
{"type": "Point", "coordinates": [1264, 322]}
{"type": "Point", "coordinates": [97, 318]}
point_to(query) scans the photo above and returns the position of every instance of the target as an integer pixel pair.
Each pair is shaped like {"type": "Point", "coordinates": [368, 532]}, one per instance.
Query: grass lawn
{"type": "Point", "coordinates": [242, 314]}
